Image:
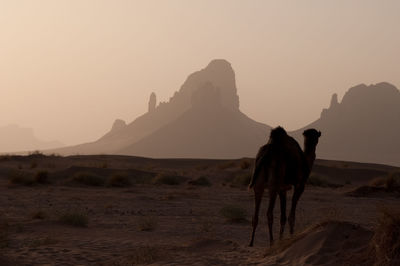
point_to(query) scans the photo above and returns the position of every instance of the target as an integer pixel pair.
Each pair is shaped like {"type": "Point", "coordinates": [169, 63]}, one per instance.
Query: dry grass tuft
{"type": "Point", "coordinates": [74, 218]}
{"type": "Point", "coordinates": [386, 240]}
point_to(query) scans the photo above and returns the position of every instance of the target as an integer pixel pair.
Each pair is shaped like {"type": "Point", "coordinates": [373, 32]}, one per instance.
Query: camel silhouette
{"type": "Point", "coordinates": [279, 165]}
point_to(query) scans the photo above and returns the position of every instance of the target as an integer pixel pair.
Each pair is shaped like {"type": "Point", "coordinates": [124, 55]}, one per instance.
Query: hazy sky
{"type": "Point", "coordinates": [69, 68]}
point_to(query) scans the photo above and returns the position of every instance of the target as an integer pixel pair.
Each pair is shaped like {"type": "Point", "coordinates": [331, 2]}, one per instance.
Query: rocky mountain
{"type": "Point", "coordinates": [187, 114]}
{"type": "Point", "coordinates": [364, 126]}
{"type": "Point", "coordinates": [207, 130]}
{"type": "Point", "coordinates": [14, 138]}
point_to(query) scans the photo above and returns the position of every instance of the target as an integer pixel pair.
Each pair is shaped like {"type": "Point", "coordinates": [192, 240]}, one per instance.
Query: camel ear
{"type": "Point", "coordinates": [319, 133]}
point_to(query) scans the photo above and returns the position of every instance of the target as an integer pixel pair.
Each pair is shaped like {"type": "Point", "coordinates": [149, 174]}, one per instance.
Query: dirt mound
{"type": "Point", "coordinates": [332, 243]}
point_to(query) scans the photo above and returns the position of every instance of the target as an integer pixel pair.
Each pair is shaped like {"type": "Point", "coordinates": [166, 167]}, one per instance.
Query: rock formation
{"type": "Point", "coordinates": [152, 102]}
{"type": "Point", "coordinates": [363, 127]}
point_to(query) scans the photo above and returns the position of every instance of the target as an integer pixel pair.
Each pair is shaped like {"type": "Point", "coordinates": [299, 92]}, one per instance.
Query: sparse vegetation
{"type": "Point", "coordinates": [88, 179]}
{"type": "Point", "coordinates": [147, 223]}
{"type": "Point", "coordinates": [320, 181]}
{"type": "Point", "coordinates": [22, 178]}
{"type": "Point", "coordinates": [168, 179]}
{"type": "Point", "coordinates": [245, 164]}
{"type": "Point", "coordinates": [74, 218]}
{"type": "Point", "coordinates": [227, 165]}
{"type": "Point", "coordinates": [34, 165]}
{"type": "Point", "coordinates": [201, 181]}
{"type": "Point", "coordinates": [119, 180]}
{"type": "Point", "coordinates": [233, 213]}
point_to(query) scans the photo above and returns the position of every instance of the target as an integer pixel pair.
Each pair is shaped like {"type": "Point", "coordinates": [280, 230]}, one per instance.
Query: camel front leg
{"type": "Point", "coordinates": [292, 216]}
{"type": "Point", "coordinates": [258, 194]}
{"type": "Point", "coordinates": [282, 198]}
{"type": "Point", "coordinates": [270, 214]}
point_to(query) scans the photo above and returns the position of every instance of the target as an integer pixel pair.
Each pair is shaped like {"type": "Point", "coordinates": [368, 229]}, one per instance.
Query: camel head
{"type": "Point", "coordinates": [311, 137]}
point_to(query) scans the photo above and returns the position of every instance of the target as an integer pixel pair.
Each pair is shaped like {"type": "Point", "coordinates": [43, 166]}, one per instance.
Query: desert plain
{"type": "Point", "coordinates": [124, 210]}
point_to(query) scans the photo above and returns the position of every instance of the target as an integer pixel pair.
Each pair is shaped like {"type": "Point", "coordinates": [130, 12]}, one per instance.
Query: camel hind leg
{"type": "Point", "coordinates": [282, 198]}
{"type": "Point", "coordinates": [258, 194]}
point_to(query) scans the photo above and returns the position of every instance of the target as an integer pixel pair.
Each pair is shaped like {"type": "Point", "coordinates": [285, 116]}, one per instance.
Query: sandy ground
{"type": "Point", "coordinates": [163, 224]}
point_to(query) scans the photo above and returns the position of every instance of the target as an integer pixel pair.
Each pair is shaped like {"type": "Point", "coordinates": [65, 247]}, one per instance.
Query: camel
{"type": "Point", "coordinates": [279, 165]}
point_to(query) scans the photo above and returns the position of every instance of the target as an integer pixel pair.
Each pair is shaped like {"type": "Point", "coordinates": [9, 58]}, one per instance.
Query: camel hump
{"type": "Point", "coordinates": [278, 135]}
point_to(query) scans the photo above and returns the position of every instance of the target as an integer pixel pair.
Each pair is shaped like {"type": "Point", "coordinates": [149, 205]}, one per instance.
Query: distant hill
{"type": "Point", "coordinates": [186, 126]}
{"type": "Point", "coordinates": [14, 138]}
{"type": "Point", "coordinates": [364, 126]}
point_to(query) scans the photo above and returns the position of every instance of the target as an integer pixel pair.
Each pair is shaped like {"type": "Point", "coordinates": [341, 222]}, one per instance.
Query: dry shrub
{"type": "Point", "coordinates": [119, 180]}
{"type": "Point", "coordinates": [386, 240]}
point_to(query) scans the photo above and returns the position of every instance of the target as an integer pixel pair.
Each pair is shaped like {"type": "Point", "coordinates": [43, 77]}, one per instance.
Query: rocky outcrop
{"type": "Point", "coordinates": [363, 127]}
{"type": "Point", "coordinates": [118, 125]}
{"type": "Point", "coordinates": [152, 102]}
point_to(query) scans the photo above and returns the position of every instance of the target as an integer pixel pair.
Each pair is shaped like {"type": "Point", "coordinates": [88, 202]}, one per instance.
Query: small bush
{"type": "Point", "coordinates": [88, 179]}
{"type": "Point", "coordinates": [74, 218]}
{"type": "Point", "coordinates": [168, 179]}
{"type": "Point", "coordinates": [233, 213]}
{"type": "Point", "coordinates": [119, 180]}
{"type": "Point", "coordinates": [386, 240]}
{"type": "Point", "coordinates": [147, 223]}
{"type": "Point", "coordinates": [241, 179]}
{"type": "Point", "coordinates": [41, 177]}
{"type": "Point", "coordinates": [201, 181]}
{"type": "Point", "coordinates": [245, 164]}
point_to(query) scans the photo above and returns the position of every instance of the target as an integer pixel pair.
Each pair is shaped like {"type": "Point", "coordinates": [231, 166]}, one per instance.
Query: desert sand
{"type": "Point", "coordinates": [122, 210]}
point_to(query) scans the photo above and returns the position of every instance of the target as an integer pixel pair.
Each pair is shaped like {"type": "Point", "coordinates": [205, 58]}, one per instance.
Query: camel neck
{"type": "Point", "coordinates": [309, 153]}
